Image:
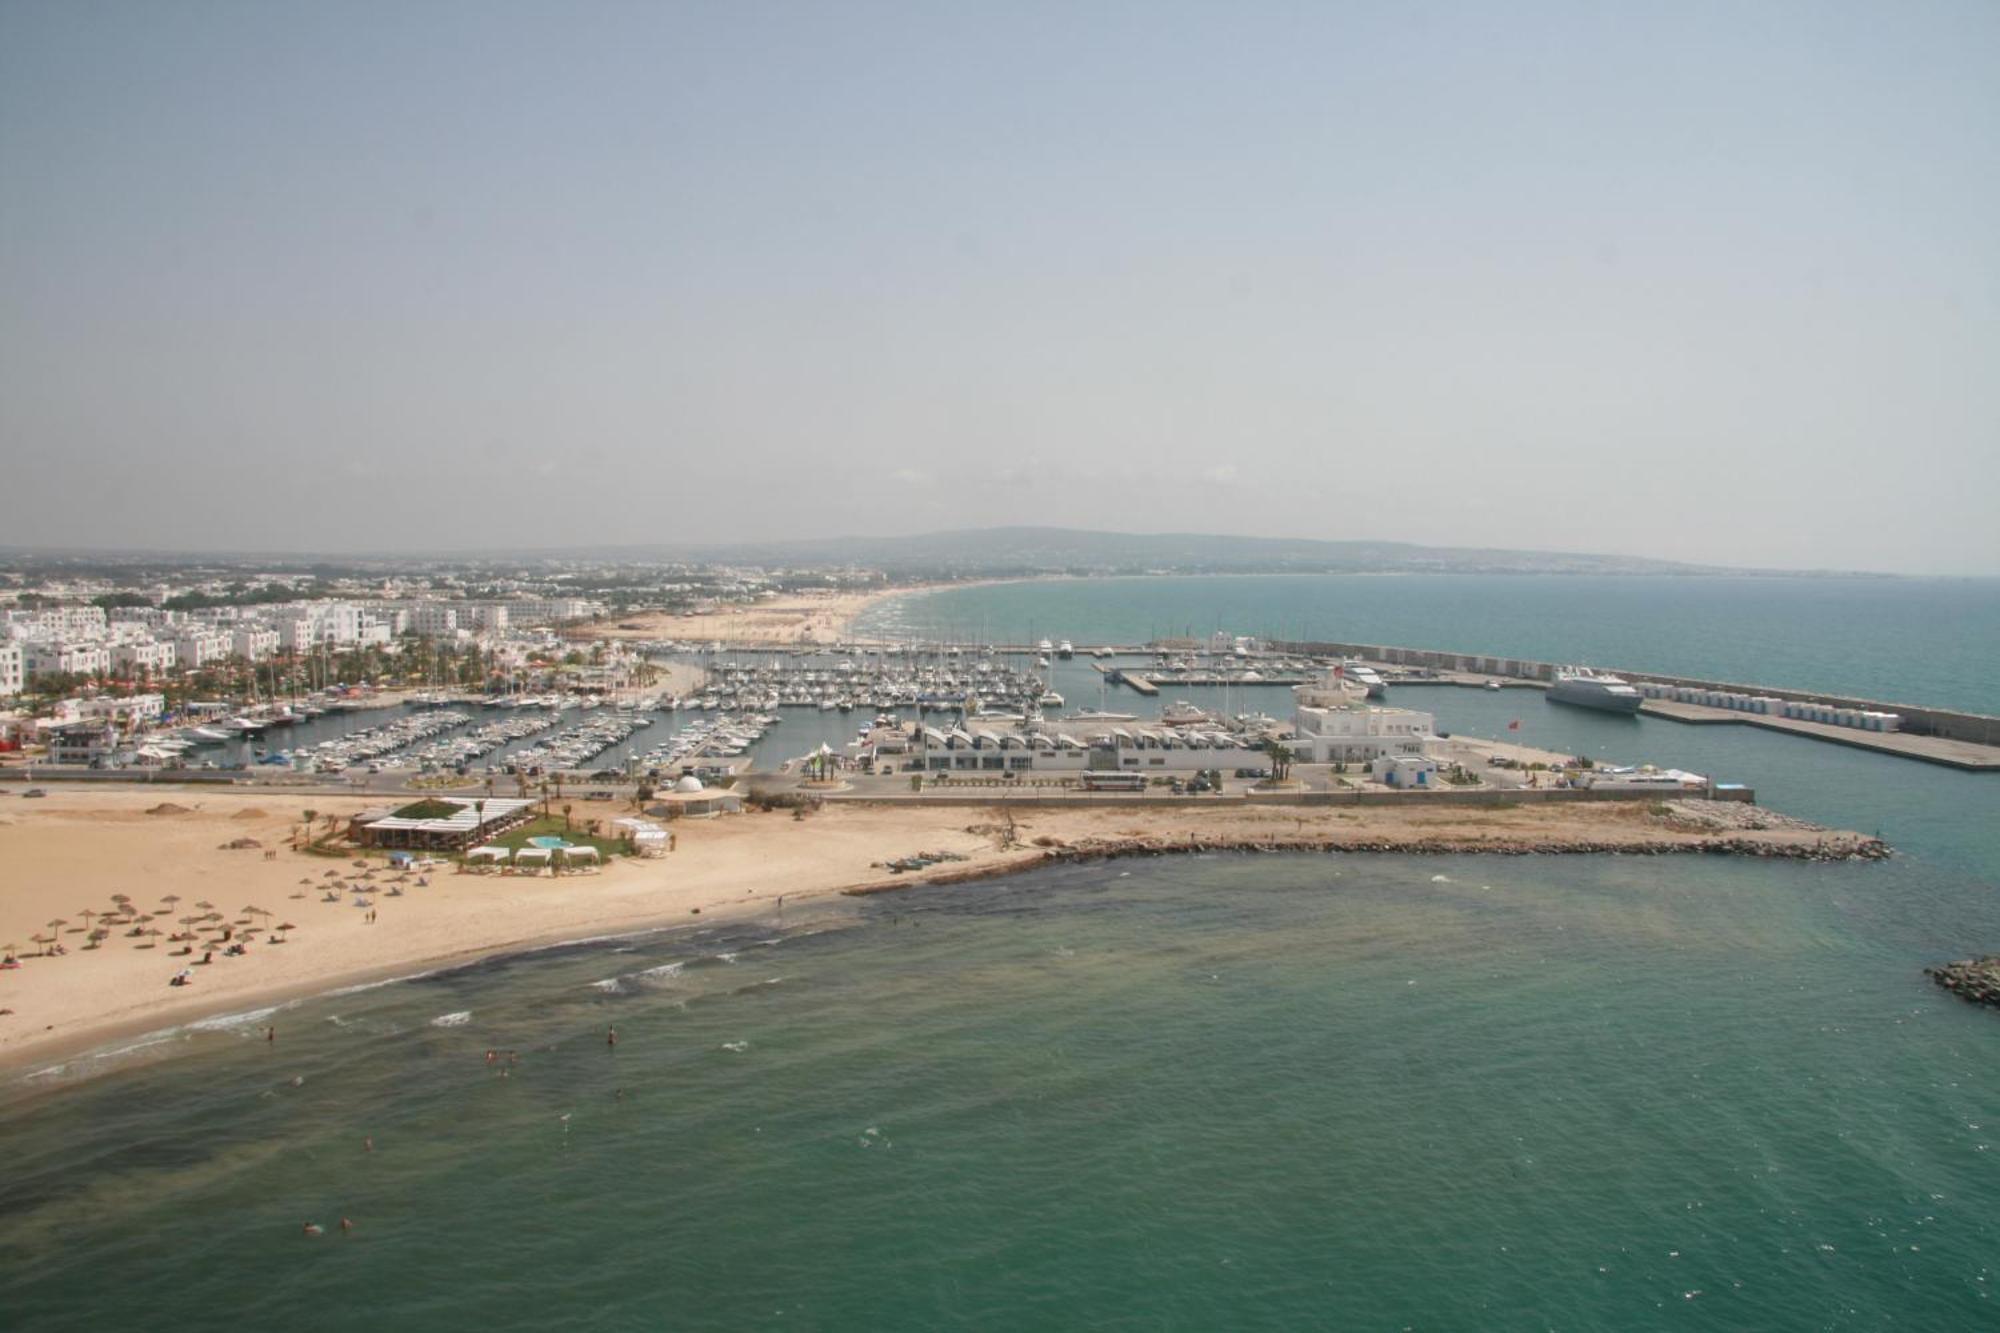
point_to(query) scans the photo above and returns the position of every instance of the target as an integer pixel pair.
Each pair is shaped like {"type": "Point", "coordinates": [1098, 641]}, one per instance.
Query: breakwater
{"type": "Point", "coordinates": [1978, 728]}
{"type": "Point", "coordinates": [1976, 980]}
{"type": "Point", "coordinates": [1833, 846]}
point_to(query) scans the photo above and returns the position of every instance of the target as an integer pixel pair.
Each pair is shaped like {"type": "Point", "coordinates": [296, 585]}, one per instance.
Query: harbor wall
{"type": "Point", "coordinates": [1489, 797]}
{"type": "Point", "coordinates": [1980, 728]}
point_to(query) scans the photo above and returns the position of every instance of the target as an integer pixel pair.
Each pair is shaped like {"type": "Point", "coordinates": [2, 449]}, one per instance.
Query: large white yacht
{"type": "Point", "coordinates": [1586, 688]}
{"type": "Point", "coordinates": [1367, 677]}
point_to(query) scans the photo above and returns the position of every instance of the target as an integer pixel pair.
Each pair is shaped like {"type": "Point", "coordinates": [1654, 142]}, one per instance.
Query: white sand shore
{"type": "Point", "coordinates": [796, 618]}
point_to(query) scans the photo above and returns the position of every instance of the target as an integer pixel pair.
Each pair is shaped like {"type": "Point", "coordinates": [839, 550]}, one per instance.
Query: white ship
{"type": "Point", "coordinates": [1594, 689]}
{"type": "Point", "coordinates": [1367, 677]}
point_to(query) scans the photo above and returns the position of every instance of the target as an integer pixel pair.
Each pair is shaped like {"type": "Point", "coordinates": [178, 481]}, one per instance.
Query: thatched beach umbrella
{"type": "Point", "coordinates": [283, 928]}
{"type": "Point", "coordinates": [331, 874]}
{"type": "Point", "coordinates": [42, 939]}
{"type": "Point", "coordinates": [89, 914]}
{"type": "Point", "coordinates": [206, 906]}
{"type": "Point", "coordinates": [155, 932]}
{"type": "Point", "coordinates": [55, 926]}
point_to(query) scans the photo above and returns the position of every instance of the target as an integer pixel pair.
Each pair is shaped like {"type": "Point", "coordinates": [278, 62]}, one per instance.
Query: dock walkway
{"type": "Point", "coordinates": [1968, 755]}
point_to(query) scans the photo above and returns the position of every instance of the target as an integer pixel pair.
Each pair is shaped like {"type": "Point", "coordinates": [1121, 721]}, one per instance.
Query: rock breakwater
{"type": "Point", "coordinates": [1973, 979]}
{"type": "Point", "coordinates": [1832, 846]}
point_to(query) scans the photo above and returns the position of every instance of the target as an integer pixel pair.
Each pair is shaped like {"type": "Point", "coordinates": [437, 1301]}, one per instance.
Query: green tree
{"type": "Point", "coordinates": [1281, 757]}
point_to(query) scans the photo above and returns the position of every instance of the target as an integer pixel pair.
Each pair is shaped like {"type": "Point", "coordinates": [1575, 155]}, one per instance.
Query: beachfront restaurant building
{"type": "Point", "coordinates": [440, 823]}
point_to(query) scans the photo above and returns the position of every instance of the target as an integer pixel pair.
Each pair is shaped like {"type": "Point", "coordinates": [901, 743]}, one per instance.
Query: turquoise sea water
{"type": "Point", "coordinates": [1215, 1092]}
{"type": "Point", "coordinates": [1920, 641]}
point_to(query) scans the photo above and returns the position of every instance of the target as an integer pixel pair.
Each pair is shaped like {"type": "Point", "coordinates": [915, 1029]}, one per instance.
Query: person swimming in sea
{"type": "Point", "coordinates": [611, 1037]}
{"type": "Point", "coordinates": [313, 1229]}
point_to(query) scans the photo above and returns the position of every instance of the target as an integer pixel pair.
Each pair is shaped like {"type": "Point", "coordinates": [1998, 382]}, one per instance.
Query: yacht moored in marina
{"type": "Point", "coordinates": [1586, 688]}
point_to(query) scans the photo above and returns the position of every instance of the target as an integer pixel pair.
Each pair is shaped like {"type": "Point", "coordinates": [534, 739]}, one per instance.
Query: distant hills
{"type": "Point", "coordinates": [1035, 550]}
{"type": "Point", "coordinates": [977, 552]}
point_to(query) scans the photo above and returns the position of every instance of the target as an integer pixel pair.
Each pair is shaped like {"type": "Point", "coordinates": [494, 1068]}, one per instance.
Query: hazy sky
{"type": "Point", "coordinates": [1709, 281]}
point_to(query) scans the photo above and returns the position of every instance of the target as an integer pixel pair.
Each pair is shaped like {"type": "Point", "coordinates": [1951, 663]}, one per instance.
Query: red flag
{"type": "Point", "coordinates": [1515, 725]}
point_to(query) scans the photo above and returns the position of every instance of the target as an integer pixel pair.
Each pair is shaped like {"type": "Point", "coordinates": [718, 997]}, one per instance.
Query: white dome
{"type": "Point", "coordinates": [690, 783]}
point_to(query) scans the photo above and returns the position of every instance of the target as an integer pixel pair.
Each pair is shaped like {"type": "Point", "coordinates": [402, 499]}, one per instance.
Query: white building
{"type": "Point", "coordinates": [1405, 770]}
{"type": "Point", "coordinates": [152, 617]}
{"type": "Point", "coordinates": [490, 617]}
{"type": "Point", "coordinates": [253, 643]}
{"type": "Point", "coordinates": [433, 620]}
{"type": "Point", "coordinates": [73, 659]}
{"type": "Point", "coordinates": [57, 622]}
{"type": "Point", "coordinates": [295, 633]}
{"type": "Point", "coordinates": [195, 648]}
{"type": "Point", "coordinates": [13, 669]}
{"type": "Point", "coordinates": [1334, 725]}
{"type": "Point", "coordinates": [339, 622]}
{"type": "Point", "coordinates": [128, 711]}
{"type": "Point", "coordinates": [551, 610]}
{"type": "Point", "coordinates": [136, 655]}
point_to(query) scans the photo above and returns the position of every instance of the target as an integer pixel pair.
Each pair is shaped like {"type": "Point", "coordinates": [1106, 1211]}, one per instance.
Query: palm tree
{"type": "Point", "coordinates": [566, 810]}
{"type": "Point", "coordinates": [1281, 759]}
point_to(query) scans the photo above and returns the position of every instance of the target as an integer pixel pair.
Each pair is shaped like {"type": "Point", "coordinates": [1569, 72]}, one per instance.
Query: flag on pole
{"type": "Point", "coordinates": [1515, 725]}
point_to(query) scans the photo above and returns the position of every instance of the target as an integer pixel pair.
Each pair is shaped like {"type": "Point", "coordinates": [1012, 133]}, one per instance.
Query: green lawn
{"type": "Point", "coordinates": [552, 827]}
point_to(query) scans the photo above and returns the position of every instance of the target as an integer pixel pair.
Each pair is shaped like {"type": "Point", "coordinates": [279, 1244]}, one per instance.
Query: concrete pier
{"type": "Point", "coordinates": [1967, 755]}
{"type": "Point", "coordinates": [1969, 741]}
{"type": "Point", "coordinates": [1137, 681]}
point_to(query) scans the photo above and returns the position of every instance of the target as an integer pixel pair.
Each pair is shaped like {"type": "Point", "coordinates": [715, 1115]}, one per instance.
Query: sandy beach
{"type": "Point", "coordinates": [75, 849]}
{"type": "Point", "coordinates": [796, 618]}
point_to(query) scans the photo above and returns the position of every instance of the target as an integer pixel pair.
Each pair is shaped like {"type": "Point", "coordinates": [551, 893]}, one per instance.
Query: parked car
{"type": "Point", "coordinates": [34, 791]}
{"type": "Point", "coordinates": [597, 796]}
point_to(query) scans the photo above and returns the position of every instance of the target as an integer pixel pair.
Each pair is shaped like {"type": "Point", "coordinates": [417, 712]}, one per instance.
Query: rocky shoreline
{"type": "Point", "coordinates": [1831, 847]}
{"type": "Point", "coordinates": [1974, 980]}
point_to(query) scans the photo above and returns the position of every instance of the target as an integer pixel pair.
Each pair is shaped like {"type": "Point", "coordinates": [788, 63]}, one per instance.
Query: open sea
{"type": "Point", "coordinates": [1902, 640]}
{"type": "Point", "coordinates": [1230, 1091]}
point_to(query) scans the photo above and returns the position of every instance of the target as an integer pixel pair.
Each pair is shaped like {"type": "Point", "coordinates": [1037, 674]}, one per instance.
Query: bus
{"type": "Point", "coordinates": [1113, 781]}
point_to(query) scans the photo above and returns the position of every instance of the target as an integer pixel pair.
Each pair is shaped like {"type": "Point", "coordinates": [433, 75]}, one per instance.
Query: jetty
{"type": "Point", "coordinates": [1954, 739]}
{"type": "Point", "coordinates": [1975, 980]}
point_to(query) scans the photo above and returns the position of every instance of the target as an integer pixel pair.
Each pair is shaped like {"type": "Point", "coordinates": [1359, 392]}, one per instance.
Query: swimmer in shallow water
{"type": "Point", "coordinates": [312, 1229]}
{"type": "Point", "coordinates": [345, 1226]}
